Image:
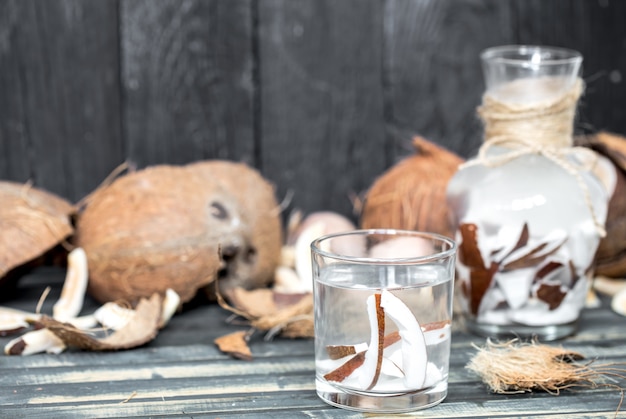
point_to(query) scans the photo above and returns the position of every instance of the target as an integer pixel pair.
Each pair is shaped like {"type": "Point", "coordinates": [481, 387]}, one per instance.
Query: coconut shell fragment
{"type": "Point", "coordinates": [481, 274]}
{"type": "Point", "coordinates": [235, 344]}
{"type": "Point", "coordinates": [32, 222]}
{"type": "Point", "coordinates": [611, 254]}
{"type": "Point", "coordinates": [180, 227]}
{"type": "Point", "coordinates": [143, 328]}
{"type": "Point", "coordinates": [290, 315]}
{"type": "Point", "coordinates": [411, 194]}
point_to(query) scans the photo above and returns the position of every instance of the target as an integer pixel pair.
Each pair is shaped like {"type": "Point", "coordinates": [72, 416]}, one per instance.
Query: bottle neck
{"type": "Point", "coordinates": [531, 110]}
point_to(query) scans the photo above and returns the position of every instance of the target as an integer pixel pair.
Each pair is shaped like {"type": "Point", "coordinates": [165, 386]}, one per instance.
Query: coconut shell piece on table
{"type": "Point", "coordinates": [611, 254]}
{"type": "Point", "coordinates": [142, 329]}
{"type": "Point", "coordinates": [180, 227]}
{"type": "Point", "coordinates": [290, 315]}
{"type": "Point", "coordinates": [411, 195]}
{"type": "Point", "coordinates": [267, 310]}
{"type": "Point", "coordinates": [32, 222]}
{"type": "Point", "coordinates": [235, 344]}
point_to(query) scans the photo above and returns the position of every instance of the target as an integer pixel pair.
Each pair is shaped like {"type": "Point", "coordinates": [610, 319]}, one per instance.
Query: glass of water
{"type": "Point", "coordinates": [383, 312]}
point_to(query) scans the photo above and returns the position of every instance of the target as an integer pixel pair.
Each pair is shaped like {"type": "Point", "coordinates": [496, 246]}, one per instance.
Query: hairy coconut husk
{"type": "Point", "coordinates": [411, 195]}
{"type": "Point", "coordinates": [519, 367]}
{"type": "Point", "coordinates": [611, 255]}
{"type": "Point", "coordinates": [32, 221]}
{"type": "Point", "coordinates": [178, 227]}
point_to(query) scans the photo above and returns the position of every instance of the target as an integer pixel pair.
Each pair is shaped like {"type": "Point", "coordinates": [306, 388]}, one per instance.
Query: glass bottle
{"type": "Point", "coordinates": [529, 209]}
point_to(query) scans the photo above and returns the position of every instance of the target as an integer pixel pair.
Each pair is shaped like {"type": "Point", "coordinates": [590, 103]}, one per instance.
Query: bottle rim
{"type": "Point", "coordinates": [535, 54]}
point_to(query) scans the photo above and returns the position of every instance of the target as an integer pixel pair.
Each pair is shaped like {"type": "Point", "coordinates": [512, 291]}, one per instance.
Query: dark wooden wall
{"type": "Point", "coordinates": [320, 95]}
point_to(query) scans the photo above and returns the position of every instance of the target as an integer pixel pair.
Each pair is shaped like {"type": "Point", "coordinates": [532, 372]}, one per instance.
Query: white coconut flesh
{"type": "Point", "coordinates": [413, 361]}
{"type": "Point", "coordinates": [412, 342]}
{"type": "Point", "coordinates": [373, 356]}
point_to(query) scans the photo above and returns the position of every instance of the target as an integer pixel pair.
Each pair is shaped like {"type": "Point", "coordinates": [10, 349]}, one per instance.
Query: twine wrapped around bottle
{"type": "Point", "coordinates": [549, 126]}
{"type": "Point", "coordinates": [548, 123]}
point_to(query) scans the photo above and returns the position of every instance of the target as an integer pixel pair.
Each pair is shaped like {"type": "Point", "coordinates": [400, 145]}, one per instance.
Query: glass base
{"type": "Point", "coordinates": [541, 333]}
{"type": "Point", "coordinates": [383, 403]}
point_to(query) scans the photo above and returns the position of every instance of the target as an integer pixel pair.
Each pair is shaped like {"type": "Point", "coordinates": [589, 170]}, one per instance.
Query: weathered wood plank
{"type": "Point", "coordinates": [60, 126]}
{"type": "Point", "coordinates": [596, 29]}
{"type": "Point", "coordinates": [243, 397]}
{"type": "Point", "coordinates": [432, 68]}
{"type": "Point", "coordinates": [187, 72]}
{"type": "Point", "coordinates": [321, 109]}
{"type": "Point", "coordinates": [302, 90]}
{"type": "Point", "coordinates": [188, 375]}
{"type": "Point", "coordinates": [128, 372]}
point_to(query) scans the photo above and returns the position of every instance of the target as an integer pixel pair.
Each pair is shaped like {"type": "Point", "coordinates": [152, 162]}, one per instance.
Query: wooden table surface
{"type": "Point", "coordinates": [182, 374]}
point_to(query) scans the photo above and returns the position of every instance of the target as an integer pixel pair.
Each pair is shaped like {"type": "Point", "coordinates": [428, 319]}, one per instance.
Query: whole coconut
{"type": "Point", "coordinates": [411, 195]}
{"type": "Point", "coordinates": [252, 258]}
{"type": "Point", "coordinates": [179, 227]}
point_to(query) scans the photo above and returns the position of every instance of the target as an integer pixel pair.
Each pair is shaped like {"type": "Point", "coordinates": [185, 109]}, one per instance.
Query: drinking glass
{"type": "Point", "coordinates": [383, 312]}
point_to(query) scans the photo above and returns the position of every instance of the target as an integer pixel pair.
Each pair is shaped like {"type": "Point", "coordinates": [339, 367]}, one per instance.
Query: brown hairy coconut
{"type": "Point", "coordinates": [178, 227]}
{"type": "Point", "coordinates": [253, 261]}
{"type": "Point", "coordinates": [32, 221]}
{"type": "Point", "coordinates": [611, 255]}
{"type": "Point", "coordinates": [411, 195]}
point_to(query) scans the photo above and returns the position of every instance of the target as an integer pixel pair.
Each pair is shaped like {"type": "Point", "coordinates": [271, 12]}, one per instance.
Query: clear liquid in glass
{"type": "Point", "coordinates": [341, 294]}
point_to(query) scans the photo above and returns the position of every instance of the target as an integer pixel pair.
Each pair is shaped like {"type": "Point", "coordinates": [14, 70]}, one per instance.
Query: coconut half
{"type": "Point", "coordinates": [610, 258]}
{"type": "Point", "coordinates": [32, 222]}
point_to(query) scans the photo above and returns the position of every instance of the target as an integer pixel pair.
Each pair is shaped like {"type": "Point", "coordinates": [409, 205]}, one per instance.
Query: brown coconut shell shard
{"type": "Point", "coordinates": [32, 222]}
{"type": "Point", "coordinates": [411, 195]}
{"type": "Point", "coordinates": [178, 227]}
{"type": "Point", "coordinates": [611, 254]}
{"type": "Point", "coordinates": [272, 312]}
{"type": "Point", "coordinates": [481, 275]}
{"type": "Point", "coordinates": [235, 344]}
{"type": "Point", "coordinates": [143, 328]}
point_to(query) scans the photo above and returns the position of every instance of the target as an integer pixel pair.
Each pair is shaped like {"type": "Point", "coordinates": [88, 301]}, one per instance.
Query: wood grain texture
{"type": "Point", "coordinates": [432, 68]}
{"type": "Point", "coordinates": [182, 374]}
{"type": "Point", "coordinates": [59, 64]}
{"type": "Point", "coordinates": [322, 128]}
{"type": "Point", "coordinates": [187, 73]}
{"type": "Point", "coordinates": [321, 96]}
{"type": "Point", "coordinates": [596, 29]}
